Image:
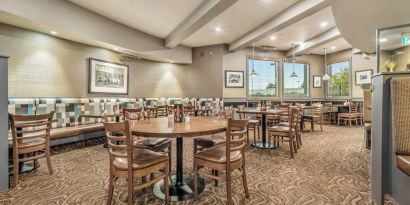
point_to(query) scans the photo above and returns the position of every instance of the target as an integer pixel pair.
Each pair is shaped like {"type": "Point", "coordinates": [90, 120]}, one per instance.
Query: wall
{"type": "Point", "coordinates": [238, 61]}
{"type": "Point", "coordinates": [45, 66]}
{"type": "Point", "coordinates": [4, 177]}
{"type": "Point", "coordinates": [402, 59]}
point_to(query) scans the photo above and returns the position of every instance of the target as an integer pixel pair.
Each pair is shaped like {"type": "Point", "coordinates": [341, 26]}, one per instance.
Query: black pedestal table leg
{"type": "Point", "coordinates": [180, 162]}
{"type": "Point", "coordinates": [264, 130]}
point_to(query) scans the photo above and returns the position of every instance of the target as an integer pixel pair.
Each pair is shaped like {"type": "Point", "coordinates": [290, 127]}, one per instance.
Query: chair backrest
{"type": "Point", "coordinates": [318, 110]}
{"type": "Point", "coordinates": [352, 108]}
{"type": "Point", "coordinates": [30, 126]}
{"type": "Point", "coordinates": [152, 112]}
{"type": "Point", "coordinates": [162, 110]}
{"type": "Point", "coordinates": [129, 112]}
{"type": "Point", "coordinates": [400, 99]}
{"type": "Point", "coordinates": [235, 136]}
{"type": "Point", "coordinates": [293, 118]}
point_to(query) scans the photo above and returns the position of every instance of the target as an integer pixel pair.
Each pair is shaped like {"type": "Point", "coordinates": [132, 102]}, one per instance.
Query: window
{"type": "Point", "coordinates": [339, 83]}
{"type": "Point", "coordinates": [297, 85]}
{"type": "Point", "coordinates": [264, 84]}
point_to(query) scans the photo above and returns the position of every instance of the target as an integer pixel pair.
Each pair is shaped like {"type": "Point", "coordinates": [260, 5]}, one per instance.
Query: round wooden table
{"type": "Point", "coordinates": [181, 186]}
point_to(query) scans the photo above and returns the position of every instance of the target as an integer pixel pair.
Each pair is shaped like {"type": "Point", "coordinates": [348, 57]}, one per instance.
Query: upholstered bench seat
{"type": "Point", "coordinates": [403, 163]}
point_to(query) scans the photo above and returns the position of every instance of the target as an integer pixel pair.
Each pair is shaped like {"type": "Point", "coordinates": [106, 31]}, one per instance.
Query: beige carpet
{"type": "Point", "coordinates": [332, 167]}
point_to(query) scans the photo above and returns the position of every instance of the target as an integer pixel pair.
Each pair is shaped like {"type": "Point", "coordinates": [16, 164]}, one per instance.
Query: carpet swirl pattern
{"type": "Point", "coordinates": [332, 167]}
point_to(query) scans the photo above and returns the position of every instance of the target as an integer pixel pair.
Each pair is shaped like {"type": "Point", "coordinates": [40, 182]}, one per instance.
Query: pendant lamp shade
{"type": "Point", "coordinates": [326, 76]}
{"type": "Point", "coordinates": [293, 75]}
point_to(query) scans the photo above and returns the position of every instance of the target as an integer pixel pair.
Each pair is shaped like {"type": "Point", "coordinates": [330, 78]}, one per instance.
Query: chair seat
{"type": "Point", "coordinates": [403, 163]}
{"type": "Point", "coordinates": [278, 129]}
{"type": "Point", "coordinates": [31, 142]}
{"type": "Point", "coordinates": [151, 142]}
{"type": "Point", "coordinates": [283, 124]}
{"type": "Point", "coordinates": [210, 141]}
{"type": "Point", "coordinates": [143, 158]}
{"type": "Point", "coordinates": [217, 154]}
{"type": "Point", "coordinates": [253, 121]}
{"type": "Point", "coordinates": [347, 115]}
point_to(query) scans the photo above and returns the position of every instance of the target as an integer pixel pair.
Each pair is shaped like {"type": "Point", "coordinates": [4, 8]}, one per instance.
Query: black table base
{"type": "Point", "coordinates": [262, 145]}
{"type": "Point", "coordinates": [181, 192]}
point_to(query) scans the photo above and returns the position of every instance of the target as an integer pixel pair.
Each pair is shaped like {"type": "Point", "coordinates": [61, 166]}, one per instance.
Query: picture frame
{"type": "Point", "coordinates": [234, 79]}
{"type": "Point", "coordinates": [106, 77]}
{"type": "Point", "coordinates": [363, 77]}
{"type": "Point", "coordinates": [317, 81]}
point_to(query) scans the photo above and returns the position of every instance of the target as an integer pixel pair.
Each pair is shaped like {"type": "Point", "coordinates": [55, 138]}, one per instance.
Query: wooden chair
{"type": "Point", "coordinates": [360, 114]}
{"type": "Point", "coordinates": [348, 117]}
{"type": "Point", "coordinates": [161, 145]}
{"type": "Point", "coordinates": [152, 112]}
{"type": "Point", "coordinates": [252, 125]}
{"type": "Point", "coordinates": [315, 117]}
{"type": "Point", "coordinates": [31, 140]}
{"type": "Point", "coordinates": [285, 132]}
{"type": "Point", "coordinates": [227, 157]}
{"type": "Point", "coordinates": [298, 134]}
{"type": "Point", "coordinates": [162, 110]}
{"type": "Point", "coordinates": [129, 163]}
{"type": "Point", "coordinates": [127, 111]}
{"type": "Point", "coordinates": [189, 110]}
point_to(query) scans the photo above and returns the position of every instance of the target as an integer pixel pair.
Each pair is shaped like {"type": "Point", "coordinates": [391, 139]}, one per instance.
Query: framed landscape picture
{"type": "Point", "coordinates": [317, 81]}
{"type": "Point", "coordinates": [107, 77]}
{"type": "Point", "coordinates": [364, 77]}
{"type": "Point", "coordinates": [234, 79]}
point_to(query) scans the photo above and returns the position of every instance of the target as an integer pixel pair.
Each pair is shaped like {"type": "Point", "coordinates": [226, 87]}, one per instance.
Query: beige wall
{"type": "Point", "coordinates": [238, 61]}
{"type": "Point", "coordinates": [402, 59]}
{"type": "Point", "coordinates": [45, 66]}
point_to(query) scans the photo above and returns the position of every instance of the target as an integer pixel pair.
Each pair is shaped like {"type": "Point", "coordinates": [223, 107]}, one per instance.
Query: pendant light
{"type": "Point", "coordinates": [253, 73]}
{"type": "Point", "coordinates": [326, 76]}
{"type": "Point", "coordinates": [293, 74]}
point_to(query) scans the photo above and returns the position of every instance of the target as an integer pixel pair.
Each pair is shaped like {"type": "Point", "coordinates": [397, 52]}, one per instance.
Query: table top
{"type": "Point", "coordinates": [159, 127]}
{"type": "Point", "coordinates": [100, 115]}
{"type": "Point", "coordinates": [254, 111]}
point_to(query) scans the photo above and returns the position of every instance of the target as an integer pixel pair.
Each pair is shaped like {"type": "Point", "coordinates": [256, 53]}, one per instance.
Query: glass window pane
{"type": "Point", "coordinates": [339, 84]}
{"type": "Point", "coordinates": [264, 83]}
{"type": "Point", "coordinates": [296, 85]}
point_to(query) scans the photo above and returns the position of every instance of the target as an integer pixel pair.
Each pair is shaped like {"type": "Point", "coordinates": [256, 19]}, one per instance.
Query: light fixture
{"type": "Point", "coordinates": [116, 49]}
{"type": "Point", "coordinates": [333, 47]}
{"type": "Point", "coordinates": [324, 24]}
{"type": "Point", "coordinates": [171, 61]}
{"type": "Point", "coordinates": [293, 74]}
{"type": "Point", "coordinates": [383, 40]}
{"type": "Point", "coordinates": [326, 76]}
{"type": "Point", "coordinates": [253, 73]}
{"type": "Point", "coordinates": [54, 32]}
{"type": "Point", "coordinates": [272, 38]}
{"type": "Point", "coordinates": [218, 29]}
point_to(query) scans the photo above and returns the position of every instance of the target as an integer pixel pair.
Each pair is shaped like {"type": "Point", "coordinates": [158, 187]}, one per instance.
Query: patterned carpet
{"type": "Point", "coordinates": [332, 167]}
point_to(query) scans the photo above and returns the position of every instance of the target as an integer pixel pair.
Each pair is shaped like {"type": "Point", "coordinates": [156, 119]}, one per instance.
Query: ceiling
{"type": "Point", "coordinates": [155, 17]}
{"type": "Point", "coordinates": [391, 39]}
{"type": "Point", "coordinates": [331, 47]}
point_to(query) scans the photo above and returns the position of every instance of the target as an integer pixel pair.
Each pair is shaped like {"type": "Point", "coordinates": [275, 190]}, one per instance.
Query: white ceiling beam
{"type": "Point", "coordinates": [319, 40]}
{"type": "Point", "coordinates": [203, 14]}
{"type": "Point", "coordinates": [287, 17]}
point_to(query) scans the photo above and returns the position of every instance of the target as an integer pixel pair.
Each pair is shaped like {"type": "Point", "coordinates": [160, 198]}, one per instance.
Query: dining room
{"type": "Point", "coordinates": [187, 102]}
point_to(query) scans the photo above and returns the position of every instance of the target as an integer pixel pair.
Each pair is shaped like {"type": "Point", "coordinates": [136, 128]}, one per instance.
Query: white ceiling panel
{"type": "Point", "coordinates": [300, 31]}
{"type": "Point", "coordinates": [331, 47]}
{"type": "Point", "coordinates": [236, 21]}
{"type": "Point", "coordinates": [155, 17]}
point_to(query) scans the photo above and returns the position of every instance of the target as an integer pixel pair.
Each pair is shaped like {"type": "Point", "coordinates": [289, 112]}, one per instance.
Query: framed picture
{"type": "Point", "coordinates": [364, 77]}
{"type": "Point", "coordinates": [107, 77]}
{"type": "Point", "coordinates": [317, 81]}
{"type": "Point", "coordinates": [234, 79]}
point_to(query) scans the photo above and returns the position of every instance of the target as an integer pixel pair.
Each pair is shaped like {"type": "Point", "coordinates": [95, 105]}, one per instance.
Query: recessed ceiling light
{"type": "Point", "coordinates": [54, 32]}
{"type": "Point", "coordinates": [218, 29]}
{"type": "Point", "coordinates": [333, 47]}
{"type": "Point", "coordinates": [171, 61]}
{"type": "Point", "coordinates": [383, 40]}
{"type": "Point", "coordinates": [323, 24]}
{"type": "Point", "coordinates": [116, 49]}
{"type": "Point", "coordinates": [272, 38]}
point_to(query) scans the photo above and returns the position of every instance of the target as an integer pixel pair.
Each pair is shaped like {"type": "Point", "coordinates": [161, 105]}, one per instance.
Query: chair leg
{"type": "Point", "coordinates": [244, 181]}
{"type": "Point", "coordinates": [48, 159]}
{"type": "Point", "coordinates": [321, 127]}
{"type": "Point", "coordinates": [196, 178]}
{"type": "Point", "coordinates": [228, 187]}
{"type": "Point", "coordinates": [247, 134]}
{"type": "Point", "coordinates": [16, 167]}
{"type": "Point", "coordinates": [254, 133]}
{"type": "Point", "coordinates": [295, 146]}
{"type": "Point", "coordinates": [166, 185]}
{"type": "Point", "coordinates": [170, 158]}
{"type": "Point", "coordinates": [110, 189]}
{"type": "Point", "coordinates": [269, 141]}
{"type": "Point", "coordinates": [130, 190]}
{"type": "Point", "coordinates": [291, 150]}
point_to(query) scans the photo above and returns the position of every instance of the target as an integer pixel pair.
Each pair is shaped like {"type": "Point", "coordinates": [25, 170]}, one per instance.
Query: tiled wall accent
{"type": "Point", "coordinates": [68, 110]}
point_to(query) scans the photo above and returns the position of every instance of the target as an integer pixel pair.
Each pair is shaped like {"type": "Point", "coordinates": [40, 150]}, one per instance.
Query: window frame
{"type": "Point", "coordinates": [307, 96]}
{"type": "Point", "coordinates": [248, 79]}
{"type": "Point", "coordinates": [350, 80]}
